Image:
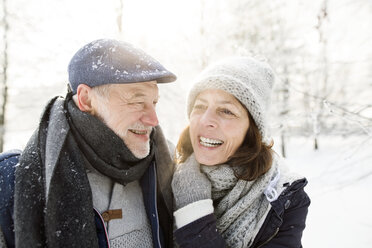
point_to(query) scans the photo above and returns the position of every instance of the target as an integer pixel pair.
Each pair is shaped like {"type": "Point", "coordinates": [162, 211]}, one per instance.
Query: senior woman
{"type": "Point", "coordinates": [230, 188]}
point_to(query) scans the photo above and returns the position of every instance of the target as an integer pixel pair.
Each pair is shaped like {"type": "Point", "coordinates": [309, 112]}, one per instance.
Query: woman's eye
{"type": "Point", "coordinates": [227, 112]}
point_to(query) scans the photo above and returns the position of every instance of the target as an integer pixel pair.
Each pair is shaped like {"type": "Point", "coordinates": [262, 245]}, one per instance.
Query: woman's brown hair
{"type": "Point", "coordinates": [254, 156]}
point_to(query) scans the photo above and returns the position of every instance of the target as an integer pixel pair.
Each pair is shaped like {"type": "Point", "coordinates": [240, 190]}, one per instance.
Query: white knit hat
{"type": "Point", "coordinates": [247, 79]}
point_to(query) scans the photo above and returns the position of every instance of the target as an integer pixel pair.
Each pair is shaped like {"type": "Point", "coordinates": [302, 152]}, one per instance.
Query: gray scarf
{"type": "Point", "coordinates": [53, 200]}
{"type": "Point", "coordinates": [240, 206]}
{"type": "Point", "coordinates": [104, 150]}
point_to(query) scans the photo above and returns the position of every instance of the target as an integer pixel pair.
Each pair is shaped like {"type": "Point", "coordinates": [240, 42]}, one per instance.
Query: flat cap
{"type": "Point", "coordinates": [108, 61]}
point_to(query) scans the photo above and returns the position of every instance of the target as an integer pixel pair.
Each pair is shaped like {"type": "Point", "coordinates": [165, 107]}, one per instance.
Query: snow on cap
{"type": "Point", "coordinates": [108, 61]}
{"type": "Point", "coordinates": [247, 79]}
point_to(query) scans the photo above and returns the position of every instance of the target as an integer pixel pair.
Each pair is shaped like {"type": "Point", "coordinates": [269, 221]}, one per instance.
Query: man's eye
{"type": "Point", "coordinates": [136, 104]}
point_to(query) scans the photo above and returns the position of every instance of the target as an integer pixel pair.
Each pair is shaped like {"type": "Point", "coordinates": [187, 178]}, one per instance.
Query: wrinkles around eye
{"type": "Point", "coordinates": [136, 105]}
{"type": "Point", "coordinates": [227, 112]}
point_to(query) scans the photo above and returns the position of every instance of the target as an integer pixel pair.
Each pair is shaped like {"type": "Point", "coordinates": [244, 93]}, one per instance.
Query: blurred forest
{"type": "Point", "coordinates": [320, 50]}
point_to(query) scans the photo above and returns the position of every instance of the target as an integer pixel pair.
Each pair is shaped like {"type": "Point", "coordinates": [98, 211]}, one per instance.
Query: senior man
{"type": "Point", "coordinates": [97, 171]}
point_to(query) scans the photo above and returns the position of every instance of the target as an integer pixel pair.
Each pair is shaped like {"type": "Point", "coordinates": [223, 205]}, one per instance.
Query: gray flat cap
{"type": "Point", "coordinates": [108, 61]}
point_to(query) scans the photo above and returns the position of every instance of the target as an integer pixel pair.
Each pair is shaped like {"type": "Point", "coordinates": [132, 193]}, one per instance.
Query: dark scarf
{"type": "Point", "coordinates": [104, 150]}
{"type": "Point", "coordinates": [53, 199]}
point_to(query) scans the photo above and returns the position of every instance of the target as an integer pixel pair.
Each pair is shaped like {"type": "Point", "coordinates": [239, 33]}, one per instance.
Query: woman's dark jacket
{"type": "Point", "coordinates": [282, 228]}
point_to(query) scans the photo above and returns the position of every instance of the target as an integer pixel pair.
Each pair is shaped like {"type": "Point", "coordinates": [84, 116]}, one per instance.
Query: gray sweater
{"type": "Point", "coordinates": [134, 229]}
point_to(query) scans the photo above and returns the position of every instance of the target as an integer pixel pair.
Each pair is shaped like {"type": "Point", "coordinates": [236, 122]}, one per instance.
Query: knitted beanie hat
{"type": "Point", "coordinates": [108, 61]}
{"type": "Point", "coordinates": [247, 79]}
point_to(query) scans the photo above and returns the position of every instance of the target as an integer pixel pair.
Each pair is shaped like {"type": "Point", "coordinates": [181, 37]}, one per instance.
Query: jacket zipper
{"type": "Point", "coordinates": [277, 229]}
{"type": "Point", "coordinates": [156, 207]}
{"type": "Point", "coordinates": [104, 227]}
{"type": "Point", "coordinates": [268, 240]}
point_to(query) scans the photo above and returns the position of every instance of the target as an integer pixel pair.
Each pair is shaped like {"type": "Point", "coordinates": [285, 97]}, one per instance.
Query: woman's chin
{"type": "Point", "coordinates": [208, 160]}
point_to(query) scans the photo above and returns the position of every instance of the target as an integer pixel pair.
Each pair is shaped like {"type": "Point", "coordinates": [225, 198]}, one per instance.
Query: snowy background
{"type": "Point", "coordinates": [321, 51]}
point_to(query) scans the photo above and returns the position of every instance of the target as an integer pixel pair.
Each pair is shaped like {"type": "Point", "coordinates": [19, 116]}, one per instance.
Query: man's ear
{"type": "Point", "coordinates": [84, 98]}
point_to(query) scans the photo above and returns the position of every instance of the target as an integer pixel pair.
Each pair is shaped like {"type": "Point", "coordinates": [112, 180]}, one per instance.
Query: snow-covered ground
{"type": "Point", "coordinates": [340, 183]}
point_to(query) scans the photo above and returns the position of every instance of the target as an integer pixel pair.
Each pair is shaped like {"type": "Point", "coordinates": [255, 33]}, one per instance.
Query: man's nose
{"type": "Point", "coordinates": [150, 117]}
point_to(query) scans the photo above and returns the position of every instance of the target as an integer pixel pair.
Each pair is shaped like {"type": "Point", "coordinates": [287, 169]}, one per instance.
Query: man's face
{"type": "Point", "coordinates": [129, 110]}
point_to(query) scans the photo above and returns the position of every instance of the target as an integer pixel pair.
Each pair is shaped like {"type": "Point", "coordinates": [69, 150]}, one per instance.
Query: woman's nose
{"type": "Point", "coordinates": [208, 119]}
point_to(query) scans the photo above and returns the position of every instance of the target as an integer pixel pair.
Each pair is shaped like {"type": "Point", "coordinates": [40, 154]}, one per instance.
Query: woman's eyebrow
{"type": "Point", "coordinates": [201, 100]}
{"type": "Point", "coordinates": [219, 102]}
{"type": "Point", "coordinates": [225, 102]}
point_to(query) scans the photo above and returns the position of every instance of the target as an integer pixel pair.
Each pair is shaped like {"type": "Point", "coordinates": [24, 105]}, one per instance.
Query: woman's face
{"type": "Point", "coordinates": [218, 125]}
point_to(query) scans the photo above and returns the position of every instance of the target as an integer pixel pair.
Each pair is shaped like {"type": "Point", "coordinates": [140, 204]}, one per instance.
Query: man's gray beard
{"type": "Point", "coordinates": [139, 150]}
{"type": "Point", "coordinates": [140, 153]}
{"type": "Point", "coordinates": [123, 134]}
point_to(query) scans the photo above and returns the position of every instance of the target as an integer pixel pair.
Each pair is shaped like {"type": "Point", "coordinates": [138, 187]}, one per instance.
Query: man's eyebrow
{"type": "Point", "coordinates": [135, 93]}
{"type": "Point", "coordinates": [138, 94]}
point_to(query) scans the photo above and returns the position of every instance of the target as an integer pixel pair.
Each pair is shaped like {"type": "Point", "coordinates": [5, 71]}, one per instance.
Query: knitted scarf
{"type": "Point", "coordinates": [240, 206]}
{"type": "Point", "coordinates": [53, 199]}
{"type": "Point", "coordinates": [104, 150]}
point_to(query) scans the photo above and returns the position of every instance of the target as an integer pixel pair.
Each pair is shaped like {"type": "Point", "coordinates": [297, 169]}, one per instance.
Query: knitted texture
{"type": "Point", "coordinates": [108, 61]}
{"type": "Point", "coordinates": [134, 229]}
{"type": "Point", "coordinates": [248, 80]}
{"type": "Point", "coordinates": [134, 223]}
{"type": "Point", "coordinates": [242, 206]}
{"type": "Point", "coordinates": [189, 184]}
{"type": "Point", "coordinates": [135, 239]}
{"type": "Point", "coordinates": [65, 195]}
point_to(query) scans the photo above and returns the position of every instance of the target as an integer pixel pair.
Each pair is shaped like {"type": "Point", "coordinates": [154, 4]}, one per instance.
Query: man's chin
{"type": "Point", "coordinates": [140, 154]}
{"type": "Point", "coordinates": [140, 150]}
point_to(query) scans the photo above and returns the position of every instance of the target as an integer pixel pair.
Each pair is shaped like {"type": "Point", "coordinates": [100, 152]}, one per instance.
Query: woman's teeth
{"type": "Point", "coordinates": [210, 142]}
